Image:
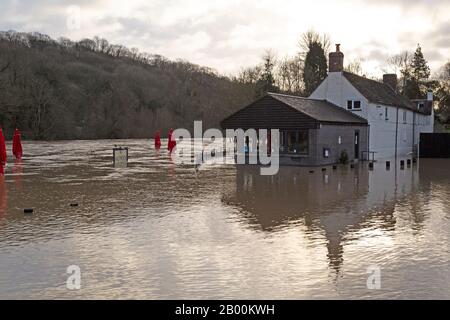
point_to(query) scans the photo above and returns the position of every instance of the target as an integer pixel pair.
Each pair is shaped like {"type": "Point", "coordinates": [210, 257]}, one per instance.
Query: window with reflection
{"type": "Point", "coordinates": [294, 141]}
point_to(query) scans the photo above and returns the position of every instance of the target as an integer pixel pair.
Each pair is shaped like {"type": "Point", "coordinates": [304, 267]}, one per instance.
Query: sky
{"type": "Point", "coordinates": [228, 35]}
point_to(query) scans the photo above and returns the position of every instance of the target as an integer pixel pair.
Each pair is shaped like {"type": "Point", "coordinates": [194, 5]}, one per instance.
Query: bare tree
{"type": "Point", "coordinates": [289, 75]}
{"type": "Point", "coordinates": [398, 62]}
{"type": "Point", "coordinates": [355, 66]}
{"type": "Point", "coordinates": [310, 37]}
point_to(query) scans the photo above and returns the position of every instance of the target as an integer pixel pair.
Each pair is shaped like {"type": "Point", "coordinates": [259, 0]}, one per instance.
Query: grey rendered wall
{"type": "Point", "coordinates": [328, 137]}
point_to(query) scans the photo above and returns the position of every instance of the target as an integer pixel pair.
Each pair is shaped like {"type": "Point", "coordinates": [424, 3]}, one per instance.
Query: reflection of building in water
{"type": "Point", "coordinates": [333, 203]}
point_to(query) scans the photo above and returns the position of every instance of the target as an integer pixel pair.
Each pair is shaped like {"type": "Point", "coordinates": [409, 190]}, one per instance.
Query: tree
{"type": "Point", "coordinates": [249, 75]}
{"type": "Point", "coordinates": [419, 66]}
{"type": "Point", "coordinates": [443, 94]}
{"type": "Point", "coordinates": [416, 76]}
{"type": "Point", "coordinates": [315, 62]}
{"type": "Point", "coordinates": [40, 98]}
{"type": "Point", "coordinates": [92, 90]}
{"type": "Point", "coordinates": [266, 82]}
{"type": "Point", "coordinates": [400, 64]}
{"type": "Point", "coordinates": [355, 67]}
{"type": "Point", "coordinates": [289, 75]}
{"type": "Point", "coordinates": [412, 89]}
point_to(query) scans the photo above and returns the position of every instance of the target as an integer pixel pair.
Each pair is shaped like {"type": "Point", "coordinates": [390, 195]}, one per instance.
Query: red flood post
{"type": "Point", "coordinates": [172, 143]}
{"type": "Point", "coordinates": [17, 145]}
{"type": "Point", "coordinates": [2, 149]}
{"type": "Point", "coordinates": [157, 140]}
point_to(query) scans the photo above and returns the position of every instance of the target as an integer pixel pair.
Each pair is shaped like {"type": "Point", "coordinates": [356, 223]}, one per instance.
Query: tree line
{"type": "Point", "coordinates": [416, 79]}
{"type": "Point", "coordinates": [91, 89]}
{"type": "Point", "coordinates": [302, 73]}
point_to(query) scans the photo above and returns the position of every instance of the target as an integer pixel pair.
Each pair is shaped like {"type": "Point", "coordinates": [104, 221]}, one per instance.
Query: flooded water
{"type": "Point", "coordinates": [157, 230]}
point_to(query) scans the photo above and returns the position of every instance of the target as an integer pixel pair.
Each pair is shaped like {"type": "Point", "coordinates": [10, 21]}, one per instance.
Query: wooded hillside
{"type": "Point", "coordinates": [59, 89]}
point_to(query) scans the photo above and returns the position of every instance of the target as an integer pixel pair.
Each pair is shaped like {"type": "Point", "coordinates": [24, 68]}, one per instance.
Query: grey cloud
{"type": "Point", "coordinates": [434, 55]}
{"type": "Point", "coordinates": [432, 42]}
{"type": "Point", "coordinates": [218, 26]}
{"type": "Point", "coordinates": [378, 55]}
{"type": "Point", "coordinates": [31, 15]}
{"type": "Point", "coordinates": [149, 35]}
{"type": "Point", "coordinates": [440, 37]}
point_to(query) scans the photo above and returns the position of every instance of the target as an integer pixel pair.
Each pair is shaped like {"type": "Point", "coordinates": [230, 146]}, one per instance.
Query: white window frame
{"type": "Point", "coordinates": [353, 105]}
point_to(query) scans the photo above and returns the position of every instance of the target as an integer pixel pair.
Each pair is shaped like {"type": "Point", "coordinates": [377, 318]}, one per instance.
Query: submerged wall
{"type": "Point", "coordinates": [334, 138]}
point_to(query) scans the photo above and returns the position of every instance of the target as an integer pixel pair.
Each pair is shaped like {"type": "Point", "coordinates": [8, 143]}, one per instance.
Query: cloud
{"type": "Point", "coordinates": [230, 34]}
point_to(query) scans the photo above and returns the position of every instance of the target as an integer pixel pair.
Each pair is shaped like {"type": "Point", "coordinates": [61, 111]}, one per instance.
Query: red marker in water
{"type": "Point", "coordinates": [17, 145]}
{"type": "Point", "coordinates": [172, 143]}
{"type": "Point", "coordinates": [2, 149]}
{"type": "Point", "coordinates": [157, 140]}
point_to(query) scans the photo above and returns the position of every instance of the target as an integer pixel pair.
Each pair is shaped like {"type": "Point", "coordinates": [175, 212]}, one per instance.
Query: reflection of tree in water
{"type": "Point", "coordinates": [336, 204]}
{"type": "Point", "coordinates": [434, 187]}
{"type": "Point", "coordinates": [3, 197]}
{"type": "Point", "coordinates": [18, 173]}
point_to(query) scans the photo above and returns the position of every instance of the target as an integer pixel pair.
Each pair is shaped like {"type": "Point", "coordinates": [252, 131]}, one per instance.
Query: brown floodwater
{"type": "Point", "coordinates": [157, 230]}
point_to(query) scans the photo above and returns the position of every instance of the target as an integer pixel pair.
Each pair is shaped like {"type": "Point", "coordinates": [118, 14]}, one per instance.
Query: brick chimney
{"type": "Point", "coordinates": [336, 60]}
{"type": "Point", "coordinates": [390, 79]}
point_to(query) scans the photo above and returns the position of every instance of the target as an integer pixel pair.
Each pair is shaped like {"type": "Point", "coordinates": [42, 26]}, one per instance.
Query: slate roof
{"type": "Point", "coordinates": [378, 92]}
{"type": "Point", "coordinates": [321, 110]}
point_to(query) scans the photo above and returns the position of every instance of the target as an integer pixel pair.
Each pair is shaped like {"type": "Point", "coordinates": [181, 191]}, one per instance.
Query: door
{"type": "Point", "coordinates": [357, 144]}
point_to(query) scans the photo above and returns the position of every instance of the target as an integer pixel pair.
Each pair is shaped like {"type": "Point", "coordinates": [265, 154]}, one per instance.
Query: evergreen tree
{"type": "Point", "coordinates": [315, 69]}
{"type": "Point", "coordinates": [419, 67]}
{"type": "Point", "coordinates": [416, 76]}
{"type": "Point", "coordinates": [443, 95]}
{"type": "Point", "coordinates": [266, 83]}
{"type": "Point", "coordinates": [412, 88]}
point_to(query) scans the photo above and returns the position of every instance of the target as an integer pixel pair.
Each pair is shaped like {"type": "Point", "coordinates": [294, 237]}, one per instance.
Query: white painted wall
{"type": "Point", "coordinates": [338, 90]}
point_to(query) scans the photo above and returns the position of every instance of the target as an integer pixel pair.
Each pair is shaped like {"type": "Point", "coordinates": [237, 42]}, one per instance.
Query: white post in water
{"type": "Point", "coordinates": [120, 157]}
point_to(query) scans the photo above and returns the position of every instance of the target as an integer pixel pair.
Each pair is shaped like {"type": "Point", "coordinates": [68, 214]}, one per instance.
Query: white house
{"type": "Point", "coordinates": [395, 122]}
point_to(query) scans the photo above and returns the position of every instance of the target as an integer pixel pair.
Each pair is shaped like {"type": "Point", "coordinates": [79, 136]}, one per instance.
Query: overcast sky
{"type": "Point", "coordinates": [230, 34]}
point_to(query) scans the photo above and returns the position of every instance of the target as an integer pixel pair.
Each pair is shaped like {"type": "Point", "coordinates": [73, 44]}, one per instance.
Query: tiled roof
{"type": "Point", "coordinates": [320, 110]}
{"type": "Point", "coordinates": [377, 92]}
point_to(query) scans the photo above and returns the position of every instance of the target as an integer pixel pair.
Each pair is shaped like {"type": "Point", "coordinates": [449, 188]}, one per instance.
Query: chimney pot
{"type": "Point", "coordinates": [336, 60]}
{"type": "Point", "coordinates": [390, 79]}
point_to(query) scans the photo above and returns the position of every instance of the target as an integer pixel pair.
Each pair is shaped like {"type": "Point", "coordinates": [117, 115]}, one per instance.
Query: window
{"type": "Point", "coordinates": [295, 141]}
{"type": "Point", "coordinates": [404, 116]}
{"type": "Point", "coordinates": [386, 115]}
{"type": "Point", "coordinates": [349, 104]}
{"type": "Point", "coordinates": [353, 105]}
